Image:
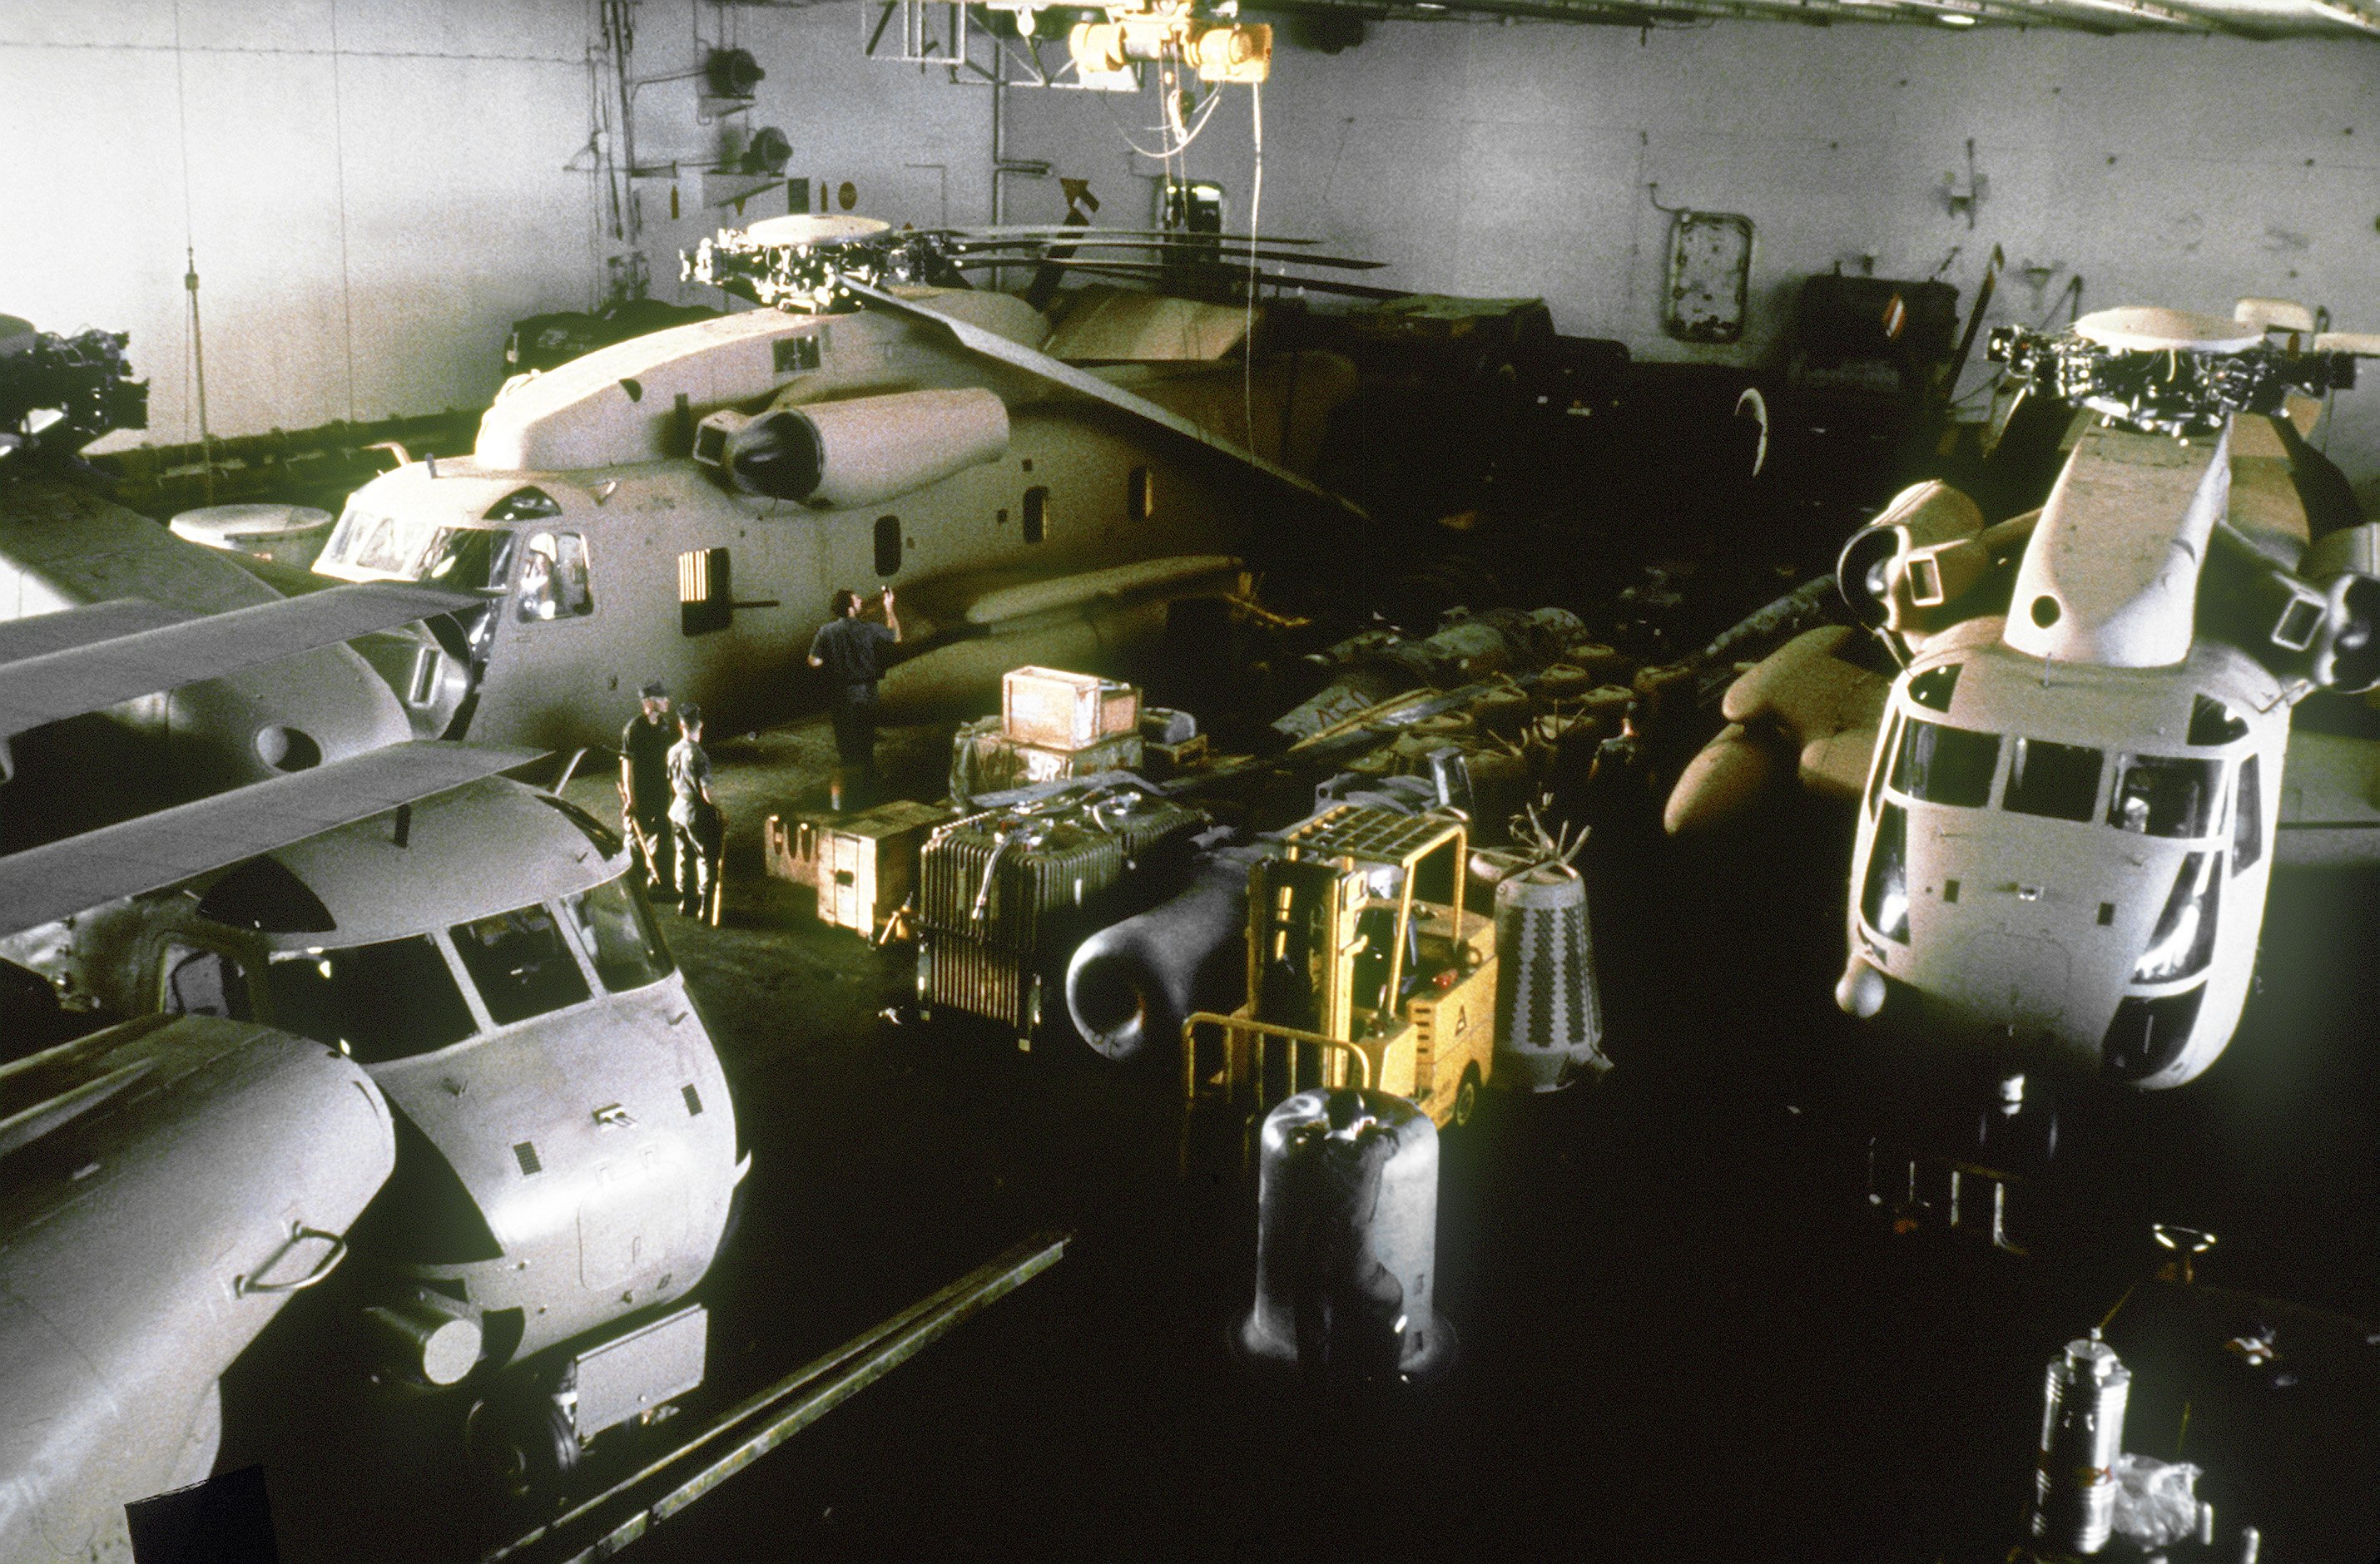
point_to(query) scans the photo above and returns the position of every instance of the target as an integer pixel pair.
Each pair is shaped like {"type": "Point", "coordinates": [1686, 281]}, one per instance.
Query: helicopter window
{"type": "Point", "coordinates": [1140, 496]}
{"type": "Point", "coordinates": [1036, 514]}
{"type": "Point", "coordinates": [1939, 764]}
{"type": "Point", "coordinates": [618, 931]}
{"type": "Point", "coordinates": [262, 894]}
{"type": "Point", "coordinates": [201, 982]}
{"type": "Point", "coordinates": [2247, 818]}
{"type": "Point", "coordinates": [375, 1002]}
{"type": "Point", "coordinates": [553, 578]}
{"type": "Point", "coordinates": [706, 598]}
{"type": "Point", "coordinates": [2164, 794]}
{"type": "Point", "coordinates": [2059, 781]}
{"type": "Point", "coordinates": [1932, 688]}
{"type": "Point", "coordinates": [888, 545]}
{"type": "Point", "coordinates": [519, 962]}
{"type": "Point", "coordinates": [1883, 763]}
{"type": "Point", "coordinates": [2212, 722]}
{"type": "Point", "coordinates": [470, 559]}
{"type": "Point", "coordinates": [1883, 901]}
{"type": "Point", "coordinates": [526, 504]}
{"type": "Point", "coordinates": [383, 545]}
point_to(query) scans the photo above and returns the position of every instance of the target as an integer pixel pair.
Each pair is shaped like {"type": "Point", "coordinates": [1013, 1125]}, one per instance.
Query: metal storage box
{"type": "Point", "coordinates": [1012, 883]}
{"type": "Point", "coordinates": [1057, 710]}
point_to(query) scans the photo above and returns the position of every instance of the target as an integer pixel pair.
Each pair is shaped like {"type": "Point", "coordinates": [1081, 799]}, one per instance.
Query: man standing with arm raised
{"type": "Point", "coordinates": [847, 648]}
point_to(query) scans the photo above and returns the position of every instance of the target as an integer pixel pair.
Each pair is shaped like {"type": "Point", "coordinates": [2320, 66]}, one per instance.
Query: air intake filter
{"type": "Point", "coordinates": [1548, 1016]}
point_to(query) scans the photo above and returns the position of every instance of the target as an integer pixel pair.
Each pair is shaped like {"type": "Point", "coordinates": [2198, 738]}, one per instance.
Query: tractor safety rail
{"type": "Point", "coordinates": [1244, 1054]}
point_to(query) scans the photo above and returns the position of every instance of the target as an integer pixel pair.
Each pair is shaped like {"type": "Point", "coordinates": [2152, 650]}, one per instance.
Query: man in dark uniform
{"type": "Point", "coordinates": [645, 785]}
{"type": "Point", "coordinates": [847, 646]}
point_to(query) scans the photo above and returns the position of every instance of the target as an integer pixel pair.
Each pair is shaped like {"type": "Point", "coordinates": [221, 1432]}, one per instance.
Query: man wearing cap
{"type": "Point", "coordinates": [847, 646]}
{"type": "Point", "coordinates": [645, 783]}
{"type": "Point", "coordinates": [694, 816]}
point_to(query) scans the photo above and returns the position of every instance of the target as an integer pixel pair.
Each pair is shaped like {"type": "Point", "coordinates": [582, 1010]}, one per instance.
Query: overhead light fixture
{"type": "Point", "coordinates": [1953, 18]}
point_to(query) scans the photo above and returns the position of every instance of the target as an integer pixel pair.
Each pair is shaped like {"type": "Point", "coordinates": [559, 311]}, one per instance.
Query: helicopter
{"type": "Point", "coordinates": [681, 505]}
{"type": "Point", "coordinates": [2073, 788]}
{"type": "Point", "coordinates": [478, 956]}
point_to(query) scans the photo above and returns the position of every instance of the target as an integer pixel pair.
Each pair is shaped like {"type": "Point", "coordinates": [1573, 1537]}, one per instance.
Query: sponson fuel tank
{"type": "Point", "coordinates": [1130, 985]}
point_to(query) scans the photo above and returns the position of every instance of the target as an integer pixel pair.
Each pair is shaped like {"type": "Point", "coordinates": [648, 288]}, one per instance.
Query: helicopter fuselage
{"type": "Point", "coordinates": [634, 563]}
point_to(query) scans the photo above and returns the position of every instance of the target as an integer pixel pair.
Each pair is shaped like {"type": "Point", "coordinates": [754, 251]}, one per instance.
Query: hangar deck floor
{"type": "Point", "coordinates": [1686, 1334]}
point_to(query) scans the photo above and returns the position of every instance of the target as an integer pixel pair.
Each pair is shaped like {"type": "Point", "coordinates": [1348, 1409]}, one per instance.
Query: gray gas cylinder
{"type": "Point", "coordinates": [2082, 1434]}
{"type": "Point", "coordinates": [1347, 1241]}
{"type": "Point", "coordinates": [1549, 1013]}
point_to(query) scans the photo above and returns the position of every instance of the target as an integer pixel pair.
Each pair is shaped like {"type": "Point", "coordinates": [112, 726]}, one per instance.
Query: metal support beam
{"type": "Point", "coordinates": [601, 1526]}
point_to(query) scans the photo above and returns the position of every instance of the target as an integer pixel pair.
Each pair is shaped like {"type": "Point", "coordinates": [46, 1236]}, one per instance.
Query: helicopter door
{"type": "Point", "coordinates": [548, 632]}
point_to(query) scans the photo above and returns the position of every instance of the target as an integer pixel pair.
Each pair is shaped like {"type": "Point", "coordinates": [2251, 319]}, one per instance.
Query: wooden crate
{"type": "Point", "coordinates": [867, 862]}
{"type": "Point", "coordinates": [1053, 710]}
{"type": "Point", "coordinates": [789, 846]}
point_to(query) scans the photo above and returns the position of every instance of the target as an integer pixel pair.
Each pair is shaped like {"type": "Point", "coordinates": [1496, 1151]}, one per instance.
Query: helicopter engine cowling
{"type": "Point", "coordinates": [2346, 566]}
{"type": "Point", "coordinates": [855, 452]}
{"type": "Point", "coordinates": [2319, 622]}
{"type": "Point", "coordinates": [1900, 571]}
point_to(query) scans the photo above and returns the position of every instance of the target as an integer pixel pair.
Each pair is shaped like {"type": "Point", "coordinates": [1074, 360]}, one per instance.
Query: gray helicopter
{"type": "Point", "coordinates": [682, 504]}
{"type": "Point", "coordinates": [2072, 795]}
{"type": "Point", "coordinates": [478, 957]}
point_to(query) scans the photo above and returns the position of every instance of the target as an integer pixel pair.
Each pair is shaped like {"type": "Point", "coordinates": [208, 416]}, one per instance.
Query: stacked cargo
{"type": "Point", "coordinates": [1003, 897]}
{"type": "Point", "coordinates": [1053, 725]}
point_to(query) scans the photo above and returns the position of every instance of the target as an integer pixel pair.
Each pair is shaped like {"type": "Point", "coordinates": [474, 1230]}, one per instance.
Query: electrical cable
{"type": "Point", "coordinates": [1255, 211]}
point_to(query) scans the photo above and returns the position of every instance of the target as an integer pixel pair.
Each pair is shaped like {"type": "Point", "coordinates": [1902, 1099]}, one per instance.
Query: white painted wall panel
{"type": "Point", "coordinates": [1485, 158]}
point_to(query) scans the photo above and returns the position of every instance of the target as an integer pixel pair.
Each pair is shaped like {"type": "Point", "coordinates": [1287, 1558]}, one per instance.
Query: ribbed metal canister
{"type": "Point", "coordinates": [1548, 1013]}
{"type": "Point", "coordinates": [1347, 1241]}
{"type": "Point", "coordinates": [2082, 1434]}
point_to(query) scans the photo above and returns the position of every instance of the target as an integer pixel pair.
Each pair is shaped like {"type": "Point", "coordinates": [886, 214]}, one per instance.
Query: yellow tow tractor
{"type": "Point", "coordinates": [1358, 939]}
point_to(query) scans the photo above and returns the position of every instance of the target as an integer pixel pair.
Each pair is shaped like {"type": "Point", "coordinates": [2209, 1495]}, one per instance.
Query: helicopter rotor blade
{"type": "Point", "coordinates": [1219, 252]}
{"type": "Point", "coordinates": [1057, 371]}
{"type": "Point", "coordinates": [1060, 230]}
{"type": "Point", "coordinates": [1155, 272]}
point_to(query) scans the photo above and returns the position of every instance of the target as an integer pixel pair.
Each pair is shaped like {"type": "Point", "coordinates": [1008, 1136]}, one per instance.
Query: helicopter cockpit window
{"type": "Point", "coordinates": [2247, 818]}
{"type": "Point", "coordinates": [519, 964]}
{"type": "Point", "coordinates": [553, 578]}
{"type": "Point", "coordinates": [1940, 764]}
{"type": "Point", "coordinates": [2057, 781]}
{"type": "Point", "coordinates": [471, 559]}
{"type": "Point", "coordinates": [618, 931]}
{"type": "Point", "coordinates": [375, 1002]}
{"type": "Point", "coordinates": [1932, 688]}
{"type": "Point", "coordinates": [2164, 794]}
{"type": "Point", "coordinates": [392, 546]}
{"type": "Point", "coordinates": [2213, 723]}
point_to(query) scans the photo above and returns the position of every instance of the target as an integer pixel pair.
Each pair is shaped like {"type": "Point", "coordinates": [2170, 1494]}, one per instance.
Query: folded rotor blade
{"type": "Point", "coordinates": [43, 884]}
{"type": "Point", "coordinates": [1151, 271]}
{"type": "Point", "coordinates": [150, 653]}
{"type": "Point", "coordinates": [1057, 371]}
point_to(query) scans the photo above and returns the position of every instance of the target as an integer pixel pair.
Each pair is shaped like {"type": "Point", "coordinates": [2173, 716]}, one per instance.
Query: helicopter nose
{"type": "Point", "coordinates": [1860, 991]}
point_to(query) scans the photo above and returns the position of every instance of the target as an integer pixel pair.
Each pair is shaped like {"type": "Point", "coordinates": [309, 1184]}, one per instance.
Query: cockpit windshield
{"type": "Point", "coordinates": [2164, 794]}
{"type": "Point", "coordinates": [375, 1002]}
{"type": "Point", "coordinates": [618, 931]}
{"type": "Point", "coordinates": [1940, 764]}
{"type": "Point", "coordinates": [470, 559]}
{"type": "Point", "coordinates": [519, 962]}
